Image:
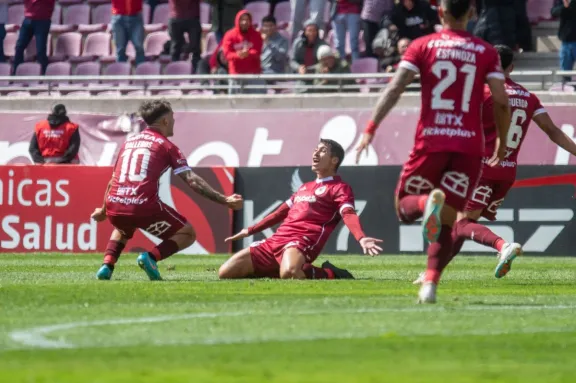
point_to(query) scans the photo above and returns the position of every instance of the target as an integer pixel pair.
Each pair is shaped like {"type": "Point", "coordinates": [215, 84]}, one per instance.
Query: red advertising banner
{"type": "Point", "coordinates": [47, 209]}
{"type": "Point", "coordinates": [256, 138]}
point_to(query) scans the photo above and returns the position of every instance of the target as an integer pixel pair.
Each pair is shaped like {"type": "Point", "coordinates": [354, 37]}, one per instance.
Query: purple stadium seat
{"type": "Point", "coordinates": [177, 68]}
{"type": "Point", "coordinates": [138, 93]}
{"type": "Point", "coordinates": [146, 13]}
{"type": "Point", "coordinates": [79, 93]}
{"type": "Point", "coordinates": [86, 69]}
{"type": "Point", "coordinates": [117, 69]}
{"type": "Point", "coordinates": [20, 93]}
{"type": "Point", "coordinates": [96, 45]}
{"type": "Point", "coordinates": [101, 17]}
{"type": "Point", "coordinates": [52, 93]}
{"type": "Point", "coordinates": [67, 45]}
{"type": "Point", "coordinates": [28, 69]}
{"type": "Point", "coordinates": [283, 14]}
{"type": "Point", "coordinates": [10, 44]}
{"type": "Point", "coordinates": [74, 16]}
{"type": "Point", "coordinates": [205, 19]}
{"type": "Point", "coordinates": [150, 68]}
{"type": "Point", "coordinates": [57, 14]}
{"type": "Point", "coordinates": [59, 69]}
{"type": "Point", "coordinates": [159, 19]}
{"type": "Point", "coordinates": [109, 93]}
{"type": "Point", "coordinates": [211, 44]}
{"type": "Point", "coordinates": [30, 51]}
{"type": "Point", "coordinates": [365, 65]}
{"type": "Point", "coordinates": [5, 70]}
{"type": "Point", "coordinates": [539, 10]}
{"type": "Point", "coordinates": [15, 17]}
{"type": "Point", "coordinates": [154, 44]}
{"type": "Point", "coordinates": [259, 10]}
{"type": "Point", "coordinates": [171, 92]}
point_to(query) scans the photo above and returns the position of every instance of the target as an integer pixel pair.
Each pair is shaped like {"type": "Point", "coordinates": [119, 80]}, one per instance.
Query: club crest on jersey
{"type": "Point", "coordinates": [321, 190]}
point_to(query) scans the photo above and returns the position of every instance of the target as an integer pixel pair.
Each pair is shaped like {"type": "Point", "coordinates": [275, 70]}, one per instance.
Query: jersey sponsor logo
{"type": "Point", "coordinates": [127, 201]}
{"type": "Point", "coordinates": [53, 133]}
{"type": "Point", "coordinates": [305, 198]}
{"type": "Point", "coordinates": [147, 137]}
{"type": "Point", "coordinates": [127, 190]}
{"type": "Point", "coordinates": [482, 195]}
{"type": "Point", "coordinates": [448, 132]}
{"type": "Point", "coordinates": [158, 228]}
{"type": "Point", "coordinates": [138, 144]}
{"type": "Point", "coordinates": [449, 119]}
{"type": "Point", "coordinates": [456, 182]}
{"type": "Point", "coordinates": [321, 190]}
{"type": "Point", "coordinates": [517, 92]}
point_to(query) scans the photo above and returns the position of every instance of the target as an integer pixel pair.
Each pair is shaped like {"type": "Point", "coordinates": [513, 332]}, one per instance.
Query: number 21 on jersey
{"type": "Point", "coordinates": [134, 165]}
{"type": "Point", "coordinates": [447, 73]}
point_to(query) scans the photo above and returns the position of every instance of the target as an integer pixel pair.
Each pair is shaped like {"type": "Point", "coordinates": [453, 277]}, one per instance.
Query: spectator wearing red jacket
{"type": "Point", "coordinates": [242, 46]}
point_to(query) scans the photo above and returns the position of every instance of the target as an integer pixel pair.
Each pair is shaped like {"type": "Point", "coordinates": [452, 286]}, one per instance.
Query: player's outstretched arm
{"type": "Point", "coordinates": [99, 213]}
{"type": "Point", "coordinates": [555, 134]}
{"type": "Point", "coordinates": [501, 117]}
{"type": "Point", "coordinates": [352, 222]}
{"type": "Point", "coordinates": [270, 220]}
{"type": "Point", "coordinates": [201, 187]}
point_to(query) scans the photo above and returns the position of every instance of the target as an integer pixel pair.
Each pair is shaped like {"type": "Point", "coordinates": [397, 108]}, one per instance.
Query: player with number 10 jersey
{"type": "Point", "coordinates": [445, 164]}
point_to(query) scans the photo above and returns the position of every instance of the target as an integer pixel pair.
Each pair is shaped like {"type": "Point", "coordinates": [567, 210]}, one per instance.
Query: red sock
{"type": "Point", "coordinates": [439, 254]}
{"type": "Point", "coordinates": [470, 229]}
{"type": "Point", "coordinates": [411, 207]}
{"type": "Point", "coordinates": [313, 272]}
{"type": "Point", "coordinates": [164, 250]}
{"type": "Point", "coordinates": [113, 251]}
{"type": "Point", "coordinates": [457, 243]}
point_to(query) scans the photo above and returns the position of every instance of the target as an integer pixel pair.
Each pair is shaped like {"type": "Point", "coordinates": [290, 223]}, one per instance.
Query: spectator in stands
{"type": "Point", "coordinates": [373, 11]}
{"type": "Point", "coordinates": [274, 57]}
{"type": "Point", "coordinates": [566, 11]}
{"type": "Point", "coordinates": [345, 16]}
{"type": "Point", "coordinates": [128, 25]}
{"type": "Point", "coordinates": [305, 49]}
{"type": "Point", "coordinates": [330, 63]}
{"type": "Point", "coordinates": [497, 22]}
{"type": "Point", "coordinates": [414, 18]}
{"type": "Point", "coordinates": [223, 15]}
{"type": "Point", "coordinates": [392, 64]}
{"type": "Point", "coordinates": [55, 140]}
{"type": "Point", "coordinates": [185, 18]}
{"type": "Point", "coordinates": [36, 23]}
{"type": "Point", "coordinates": [3, 21]}
{"type": "Point", "coordinates": [315, 13]}
{"type": "Point", "coordinates": [523, 27]}
{"type": "Point", "coordinates": [242, 48]}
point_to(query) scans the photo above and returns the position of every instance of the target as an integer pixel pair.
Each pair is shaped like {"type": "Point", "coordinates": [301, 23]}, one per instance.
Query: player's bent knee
{"type": "Point", "coordinates": [238, 266]}
{"type": "Point", "coordinates": [188, 236]}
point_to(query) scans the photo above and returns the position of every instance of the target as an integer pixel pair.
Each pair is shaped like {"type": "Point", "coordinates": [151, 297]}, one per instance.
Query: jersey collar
{"type": "Point", "coordinates": [326, 179]}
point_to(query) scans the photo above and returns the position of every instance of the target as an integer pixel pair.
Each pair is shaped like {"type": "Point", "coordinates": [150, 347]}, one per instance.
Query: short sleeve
{"type": "Point", "coordinates": [178, 162]}
{"type": "Point", "coordinates": [494, 67]}
{"type": "Point", "coordinates": [344, 197]}
{"type": "Point", "coordinates": [412, 58]}
{"type": "Point", "coordinates": [538, 108]}
{"type": "Point", "coordinates": [290, 201]}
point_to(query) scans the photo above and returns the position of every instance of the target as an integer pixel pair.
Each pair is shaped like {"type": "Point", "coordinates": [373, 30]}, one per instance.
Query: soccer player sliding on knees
{"type": "Point", "coordinates": [131, 200]}
{"type": "Point", "coordinates": [309, 217]}
{"type": "Point", "coordinates": [447, 157]}
{"type": "Point", "coordinates": [497, 180]}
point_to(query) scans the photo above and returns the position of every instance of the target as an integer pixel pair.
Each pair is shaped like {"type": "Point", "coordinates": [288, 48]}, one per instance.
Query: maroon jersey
{"type": "Point", "coordinates": [315, 212]}
{"type": "Point", "coordinates": [524, 106]}
{"type": "Point", "coordinates": [141, 162]}
{"type": "Point", "coordinates": [453, 67]}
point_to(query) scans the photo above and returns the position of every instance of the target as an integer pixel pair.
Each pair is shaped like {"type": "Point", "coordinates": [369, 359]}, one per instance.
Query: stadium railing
{"type": "Point", "coordinates": [196, 84]}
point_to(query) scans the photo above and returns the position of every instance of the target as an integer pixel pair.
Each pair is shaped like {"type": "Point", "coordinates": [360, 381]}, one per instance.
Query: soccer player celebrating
{"type": "Point", "coordinates": [309, 216]}
{"type": "Point", "coordinates": [131, 200]}
{"type": "Point", "coordinates": [496, 181]}
{"type": "Point", "coordinates": [445, 164]}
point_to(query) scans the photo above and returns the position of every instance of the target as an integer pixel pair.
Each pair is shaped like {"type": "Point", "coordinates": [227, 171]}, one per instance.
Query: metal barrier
{"type": "Point", "coordinates": [231, 84]}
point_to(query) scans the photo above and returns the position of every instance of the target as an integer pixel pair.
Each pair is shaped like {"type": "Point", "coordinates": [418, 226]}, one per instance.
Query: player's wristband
{"type": "Point", "coordinates": [371, 128]}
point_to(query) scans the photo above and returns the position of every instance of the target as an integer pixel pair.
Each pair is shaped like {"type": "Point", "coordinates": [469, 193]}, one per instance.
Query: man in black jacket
{"type": "Point", "coordinates": [414, 18]}
{"type": "Point", "coordinates": [566, 11]}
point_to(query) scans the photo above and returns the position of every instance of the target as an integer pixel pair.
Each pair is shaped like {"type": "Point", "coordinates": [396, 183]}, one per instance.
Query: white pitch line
{"type": "Point", "coordinates": [36, 336]}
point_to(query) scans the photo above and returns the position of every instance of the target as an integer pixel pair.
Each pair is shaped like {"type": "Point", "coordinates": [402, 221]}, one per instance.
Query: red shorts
{"type": "Point", "coordinates": [163, 223]}
{"type": "Point", "coordinates": [488, 196]}
{"type": "Point", "coordinates": [454, 173]}
{"type": "Point", "coordinates": [267, 255]}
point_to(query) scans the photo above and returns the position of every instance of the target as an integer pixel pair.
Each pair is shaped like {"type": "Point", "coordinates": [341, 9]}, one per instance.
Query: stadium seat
{"type": "Point", "coordinates": [151, 68]}
{"type": "Point", "coordinates": [211, 44]}
{"type": "Point", "coordinates": [15, 17]}
{"type": "Point", "coordinates": [67, 45]}
{"type": "Point", "coordinates": [258, 10]}
{"type": "Point", "coordinates": [10, 44]}
{"type": "Point", "coordinates": [117, 69]}
{"type": "Point", "coordinates": [159, 19]}
{"type": "Point", "coordinates": [171, 92]}
{"type": "Point", "coordinates": [79, 93]}
{"type": "Point", "coordinates": [52, 93]}
{"type": "Point", "coordinates": [146, 13]}
{"type": "Point", "coordinates": [154, 44]}
{"type": "Point", "coordinates": [539, 10]}
{"type": "Point", "coordinates": [28, 69]}
{"type": "Point", "coordinates": [20, 93]}
{"type": "Point", "coordinates": [59, 69]}
{"type": "Point", "coordinates": [96, 45]}
{"type": "Point", "coordinates": [283, 14]}
{"type": "Point", "coordinates": [177, 68]}
{"type": "Point", "coordinates": [205, 18]}
{"type": "Point", "coordinates": [109, 93]}
{"type": "Point", "coordinates": [101, 17]}
{"type": "Point", "coordinates": [5, 70]}
{"type": "Point", "coordinates": [86, 69]}
{"type": "Point", "coordinates": [74, 16]}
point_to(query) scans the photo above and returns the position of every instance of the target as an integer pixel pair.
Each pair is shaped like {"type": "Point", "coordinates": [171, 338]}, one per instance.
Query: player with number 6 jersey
{"type": "Point", "coordinates": [445, 164]}
{"type": "Point", "coordinates": [132, 202]}
{"type": "Point", "coordinates": [496, 181]}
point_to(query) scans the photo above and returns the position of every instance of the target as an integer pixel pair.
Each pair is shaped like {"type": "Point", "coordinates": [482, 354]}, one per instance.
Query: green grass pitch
{"type": "Point", "coordinates": [59, 324]}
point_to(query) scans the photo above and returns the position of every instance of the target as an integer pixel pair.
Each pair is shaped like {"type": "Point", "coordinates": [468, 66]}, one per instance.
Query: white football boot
{"type": "Point", "coordinates": [427, 293]}
{"type": "Point", "coordinates": [508, 253]}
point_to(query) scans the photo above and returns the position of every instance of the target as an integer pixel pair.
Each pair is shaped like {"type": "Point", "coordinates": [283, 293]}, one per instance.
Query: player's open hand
{"type": "Point", "coordinates": [241, 234]}
{"type": "Point", "coordinates": [99, 214]}
{"type": "Point", "coordinates": [363, 146]}
{"type": "Point", "coordinates": [499, 154]}
{"type": "Point", "coordinates": [370, 246]}
{"type": "Point", "coordinates": [235, 201]}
